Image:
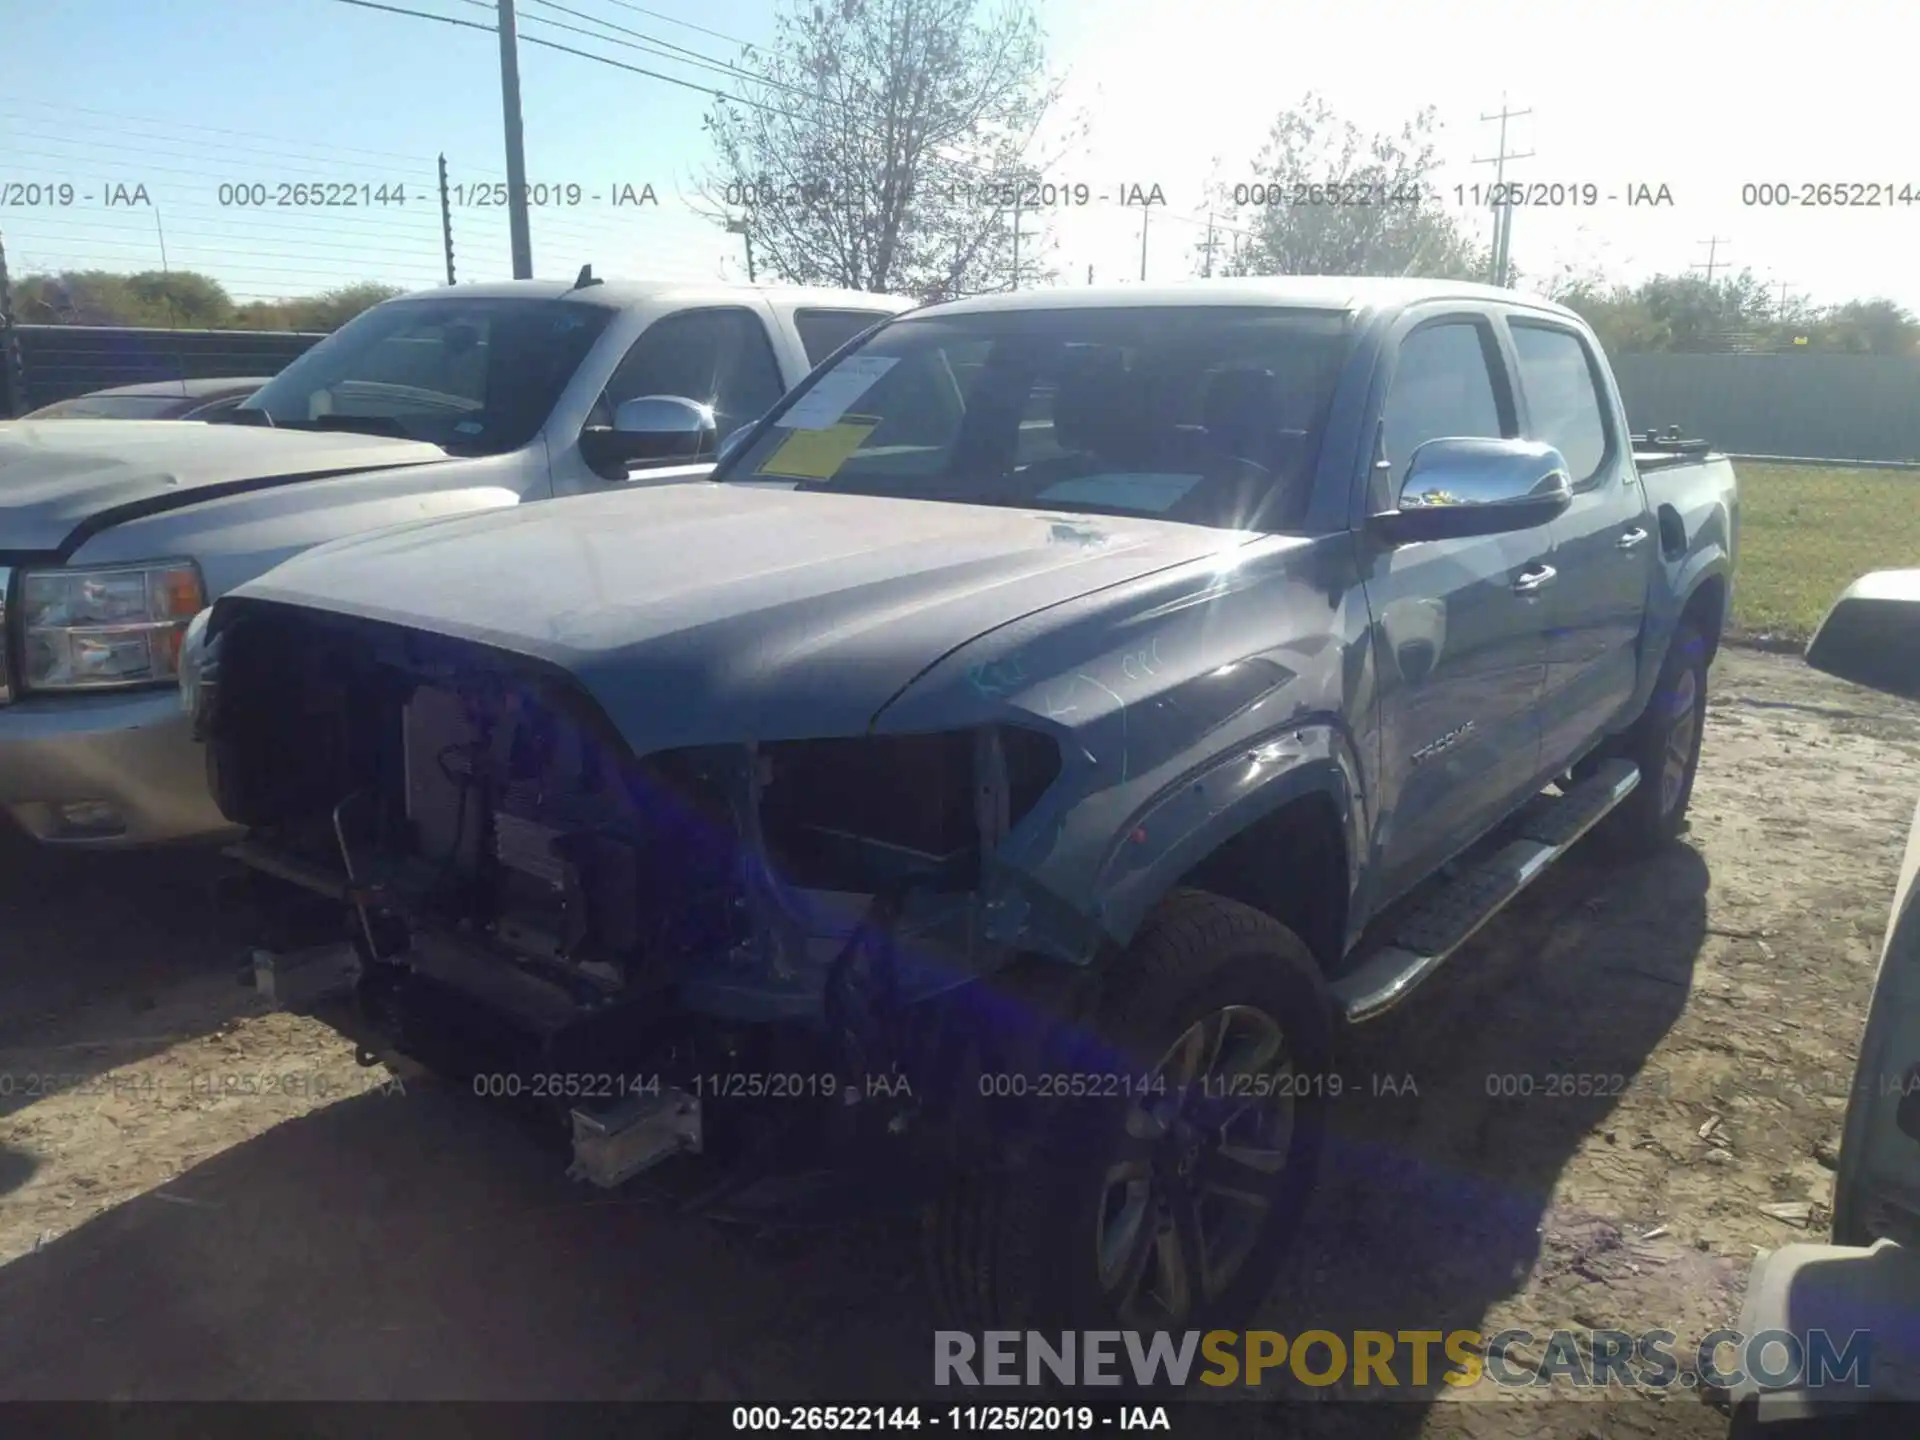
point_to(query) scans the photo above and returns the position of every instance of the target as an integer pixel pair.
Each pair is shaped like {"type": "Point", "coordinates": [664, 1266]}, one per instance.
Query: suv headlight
{"type": "Point", "coordinates": [108, 627]}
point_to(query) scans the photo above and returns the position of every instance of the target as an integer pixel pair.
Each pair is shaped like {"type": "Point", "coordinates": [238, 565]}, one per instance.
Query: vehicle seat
{"type": "Point", "coordinates": [1242, 413]}
{"type": "Point", "coordinates": [1088, 400]}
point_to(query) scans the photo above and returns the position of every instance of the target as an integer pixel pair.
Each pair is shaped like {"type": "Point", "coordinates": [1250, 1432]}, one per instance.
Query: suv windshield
{"type": "Point", "coordinates": [475, 376]}
{"type": "Point", "coordinates": [1205, 414]}
{"type": "Point", "coordinates": [108, 407]}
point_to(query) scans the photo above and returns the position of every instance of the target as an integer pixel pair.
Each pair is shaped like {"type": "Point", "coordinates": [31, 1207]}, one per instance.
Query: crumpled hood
{"type": "Point", "coordinates": [57, 475]}
{"type": "Point", "coordinates": [711, 612]}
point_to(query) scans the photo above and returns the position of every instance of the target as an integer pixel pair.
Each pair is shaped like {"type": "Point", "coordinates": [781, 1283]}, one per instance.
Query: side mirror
{"type": "Point", "coordinates": [1871, 636]}
{"type": "Point", "coordinates": [652, 427]}
{"type": "Point", "coordinates": [1460, 487]}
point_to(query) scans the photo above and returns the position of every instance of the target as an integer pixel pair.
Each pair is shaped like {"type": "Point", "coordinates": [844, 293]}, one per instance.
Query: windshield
{"type": "Point", "coordinates": [1205, 414]}
{"type": "Point", "coordinates": [109, 407]}
{"type": "Point", "coordinates": [475, 376]}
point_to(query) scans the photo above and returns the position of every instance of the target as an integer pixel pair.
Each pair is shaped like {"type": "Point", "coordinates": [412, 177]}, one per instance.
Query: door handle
{"type": "Point", "coordinates": [1534, 579]}
{"type": "Point", "coordinates": [1632, 538]}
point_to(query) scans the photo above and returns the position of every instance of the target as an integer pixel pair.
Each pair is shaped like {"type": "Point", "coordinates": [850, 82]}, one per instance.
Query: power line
{"type": "Point", "coordinates": [656, 15]}
{"type": "Point", "coordinates": [656, 75]}
{"type": "Point", "coordinates": [186, 125]}
{"type": "Point", "coordinates": [418, 14]}
{"type": "Point", "coordinates": [297, 165]}
{"type": "Point", "coordinates": [639, 70]}
{"type": "Point", "coordinates": [1712, 261]}
{"type": "Point", "coordinates": [1210, 219]}
{"type": "Point", "coordinates": [695, 57]}
{"type": "Point", "coordinates": [570, 50]}
{"type": "Point", "coordinates": [190, 240]}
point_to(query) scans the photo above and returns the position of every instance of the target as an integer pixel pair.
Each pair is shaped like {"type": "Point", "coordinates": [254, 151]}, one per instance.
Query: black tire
{"type": "Point", "coordinates": [1017, 1249]}
{"type": "Point", "coordinates": [1665, 743]}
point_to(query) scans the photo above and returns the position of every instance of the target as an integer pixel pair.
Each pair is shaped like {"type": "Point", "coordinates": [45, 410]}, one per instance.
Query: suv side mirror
{"type": "Point", "coordinates": [1871, 636]}
{"type": "Point", "coordinates": [652, 427]}
{"type": "Point", "coordinates": [1468, 486]}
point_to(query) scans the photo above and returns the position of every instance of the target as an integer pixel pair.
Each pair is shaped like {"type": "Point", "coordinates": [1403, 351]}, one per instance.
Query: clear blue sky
{"type": "Point", "coordinates": [184, 95]}
{"type": "Point", "coordinates": [277, 91]}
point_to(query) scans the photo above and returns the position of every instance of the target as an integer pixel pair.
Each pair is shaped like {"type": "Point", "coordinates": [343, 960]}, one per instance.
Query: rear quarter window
{"type": "Point", "coordinates": [824, 331]}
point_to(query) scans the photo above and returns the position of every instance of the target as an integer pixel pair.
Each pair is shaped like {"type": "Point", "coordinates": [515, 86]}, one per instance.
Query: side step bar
{"type": "Point", "coordinates": [1425, 939]}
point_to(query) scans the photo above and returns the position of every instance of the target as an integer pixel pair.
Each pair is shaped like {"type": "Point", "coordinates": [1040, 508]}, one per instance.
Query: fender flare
{"type": "Point", "coordinates": [1686, 581]}
{"type": "Point", "coordinates": [1184, 823]}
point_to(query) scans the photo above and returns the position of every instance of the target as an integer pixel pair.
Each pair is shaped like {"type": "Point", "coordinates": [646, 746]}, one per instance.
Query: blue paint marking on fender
{"type": "Point", "coordinates": [1185, 823]}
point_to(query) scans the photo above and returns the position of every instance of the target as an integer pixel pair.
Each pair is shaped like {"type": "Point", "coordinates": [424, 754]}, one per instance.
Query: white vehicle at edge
{"type": "Point", "coordinates": [115, 533]}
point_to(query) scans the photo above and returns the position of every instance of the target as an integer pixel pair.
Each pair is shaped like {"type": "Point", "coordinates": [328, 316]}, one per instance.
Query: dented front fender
{"type": "Point", "coordinates": [1186, 706]}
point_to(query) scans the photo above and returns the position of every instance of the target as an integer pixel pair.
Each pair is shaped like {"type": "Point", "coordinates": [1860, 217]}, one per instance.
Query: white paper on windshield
{"type": "Point", "coordinates": [829, 399]}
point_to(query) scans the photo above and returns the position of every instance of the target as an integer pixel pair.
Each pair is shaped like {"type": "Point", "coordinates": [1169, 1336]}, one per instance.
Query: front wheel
{"type": "Point", "coordinates": [1167, 1202]}
{"type": "Point", "coordinates": [1665, 744]}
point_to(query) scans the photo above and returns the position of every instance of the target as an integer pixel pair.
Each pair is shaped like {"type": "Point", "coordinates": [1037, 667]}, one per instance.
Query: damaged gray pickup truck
{"type": "Point", "coordinates": [1050, 725]}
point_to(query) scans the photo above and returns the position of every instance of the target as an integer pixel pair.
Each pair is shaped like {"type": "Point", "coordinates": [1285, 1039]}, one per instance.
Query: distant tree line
{"type": "Point", "coordinates": [180, 299]}
{"type": "Point", "coordinates": [1689, 313]}
{"type": "Point", "coordinates": [1665, 313]}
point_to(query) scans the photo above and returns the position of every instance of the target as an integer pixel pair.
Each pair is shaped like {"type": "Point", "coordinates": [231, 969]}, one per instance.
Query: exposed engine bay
{"type": "Point", "coordinates": [618, 935]}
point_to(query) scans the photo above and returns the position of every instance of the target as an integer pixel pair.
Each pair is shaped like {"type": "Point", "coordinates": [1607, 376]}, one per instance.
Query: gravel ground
{"type": "Point", "coordinates": [202, 1199]}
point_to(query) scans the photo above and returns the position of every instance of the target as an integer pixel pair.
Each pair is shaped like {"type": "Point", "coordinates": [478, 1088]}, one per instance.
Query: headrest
{"type": "Point", "coordinates": [1241, 411]}
{"type": "Point", "coordinates": [1091, 392]}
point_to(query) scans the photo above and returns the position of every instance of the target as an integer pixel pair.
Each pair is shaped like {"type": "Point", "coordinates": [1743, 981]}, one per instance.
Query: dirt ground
{"type": "Point", "coordinates": [201, 1199]}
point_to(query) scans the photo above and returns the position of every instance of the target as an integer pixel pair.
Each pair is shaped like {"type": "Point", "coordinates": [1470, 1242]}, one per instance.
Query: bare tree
{"type": "Point", "coordinates": [1326, 199]}
{"type": "Point", "coordinates": [883, 144]}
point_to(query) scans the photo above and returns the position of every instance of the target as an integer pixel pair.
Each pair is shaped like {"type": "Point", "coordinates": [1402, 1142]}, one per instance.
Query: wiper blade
{"type": "Point", "coordinates": [238, 416]}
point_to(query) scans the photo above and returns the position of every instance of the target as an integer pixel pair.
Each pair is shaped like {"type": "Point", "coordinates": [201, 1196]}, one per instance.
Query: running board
{"type": "Point", "coordinates": [1427, 937]}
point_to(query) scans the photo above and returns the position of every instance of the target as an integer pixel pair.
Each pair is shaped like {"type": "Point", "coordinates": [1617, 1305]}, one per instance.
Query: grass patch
{"type": "Point", "coordinates": [1806, 534]}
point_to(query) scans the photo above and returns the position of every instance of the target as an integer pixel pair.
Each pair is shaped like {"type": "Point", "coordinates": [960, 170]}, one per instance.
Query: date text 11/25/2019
{"type": "Point", "coordinates": [891, 1419]}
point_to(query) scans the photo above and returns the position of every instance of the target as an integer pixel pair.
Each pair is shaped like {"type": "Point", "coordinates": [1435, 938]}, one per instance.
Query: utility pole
{"type": "Point", "coordinates": [1146, 214]}
{"type": "Point", "coordinates": [173, 319]}
{"type": "Point", "coordinates": [1016, 236]}
{"type": "Point", "coordinates": [1089, 274]}
{"type": "Point", "coordinates": [1207, 270]}
{"type": "Point", "coordinates": [516, 151]}
{"type": "Point", "coordinates": [1713, 256]}
{"type": "Point", "coordinates": [446, 219]}
{"type": "Point", "coordinates": [1503, 216]}
{"type": "Point", "coordinates": [1783, 299]}
{"type": "Point", "coordinates": [745, 232]}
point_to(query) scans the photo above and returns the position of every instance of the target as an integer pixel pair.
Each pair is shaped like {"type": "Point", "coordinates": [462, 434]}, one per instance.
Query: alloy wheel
{"type": "Point", "coordinates": [1187, 1197]}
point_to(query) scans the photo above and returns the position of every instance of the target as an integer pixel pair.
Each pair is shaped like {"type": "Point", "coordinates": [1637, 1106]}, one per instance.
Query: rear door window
{"type": "Point", "coordinates": [719, 357]}
{"type": "Point", "coordinates": [1564, 405]}
{"type": "Point", "coordinates": [824, 331]}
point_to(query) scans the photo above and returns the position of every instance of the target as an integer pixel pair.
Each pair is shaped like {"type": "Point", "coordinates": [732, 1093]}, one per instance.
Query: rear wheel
{"type": "Point", "coordinates": [1665, 744]}
{"type": "Point", "coordinates": [1166, 1199]}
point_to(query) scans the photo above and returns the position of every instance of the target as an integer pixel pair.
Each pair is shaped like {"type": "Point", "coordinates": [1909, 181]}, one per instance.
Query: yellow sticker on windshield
{"type": "Point", "coordinates": [819, 454]}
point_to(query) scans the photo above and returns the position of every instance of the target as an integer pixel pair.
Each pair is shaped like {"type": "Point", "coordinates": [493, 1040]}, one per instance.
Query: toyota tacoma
{"type": "Point", "coordinates": [1000, 783]}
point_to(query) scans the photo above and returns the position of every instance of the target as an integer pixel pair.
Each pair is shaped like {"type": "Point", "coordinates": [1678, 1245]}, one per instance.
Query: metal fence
{"type": "Point", "coordinates": [61, 361]}
{"type": "Point", "coordinates": [1835, 407]}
